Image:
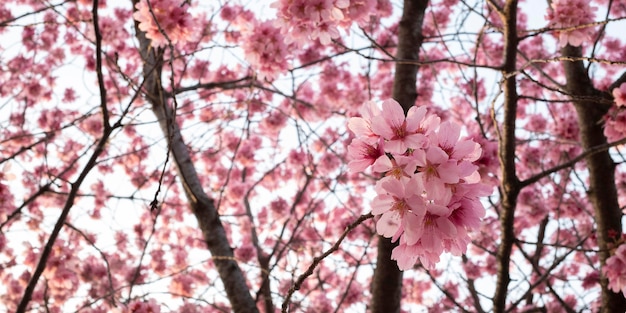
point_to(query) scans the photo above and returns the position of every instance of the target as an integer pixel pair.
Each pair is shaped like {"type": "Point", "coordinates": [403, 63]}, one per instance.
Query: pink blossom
{"type": "Point", "coordinates": [619, 95]}
{"type": "Point", "coordinates": [400, 205]}
{"type": "Point", "coordinates": [569, 14]}
{"type": "Point", "coordinates": [362, 126]}
{"type": "Point", "coordinates": [138, 306]}
{"type": "Point", "coordinates": [399, 131]}
{"type": "Point", "coordinates": [362, 154]}
{"type": "Point", "coordinates": [615, 270]}
{"type": "Point", "coordinates": [265, 49]}
{"type": "Point", "coordinates": [436, 228]}
{"type": "Point", "coordinates": [171, 19]}
{"type": "Point", "coordinates": [615, 124]}
{"type": "Point", "coordinates": [405, 256]}
{"type": "Point", "coordinates": [428, 196]}
{"type": "Point", "coordinates": [447, 138]}
{"type": "Point", "coordinates": [274, 122]}
{"type": "Point", "coordinates": [182, 285]}
{"type": "Point", "coordinates": [437, 171]}
{"type": "Point", "coordinates": [399, 166]}
{"type": "Point", "coordinates": [305, 20]}
{"type": "Point", "coordinates": [591, 280]}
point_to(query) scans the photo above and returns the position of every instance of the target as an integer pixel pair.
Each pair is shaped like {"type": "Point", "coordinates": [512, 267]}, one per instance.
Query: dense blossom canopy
{"type": "Point", "coordinates": [312, 156]}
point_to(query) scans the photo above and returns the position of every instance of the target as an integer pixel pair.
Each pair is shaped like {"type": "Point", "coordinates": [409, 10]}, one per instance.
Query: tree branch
{"type": "Point", "coordinates": [319, 259]}
{"type": "Point", "coordinates": [201, 204]}
{"type": "Point", "coordinates": [510, 187]}
{"type": "Point", "coordinates": [69, 203]}
{"type": "Point", "coordinates": [602, 189]}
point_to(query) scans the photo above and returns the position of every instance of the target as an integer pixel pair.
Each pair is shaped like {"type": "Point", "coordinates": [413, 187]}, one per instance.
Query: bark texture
{"type": "Point", "coordinates": [591, 106]}
{"type": "Point", "coordinates": [509, 182]}
{"type": "Point", "coordinates": [387, 281]}
{"type": "Point", "coordinates": [201, 204]}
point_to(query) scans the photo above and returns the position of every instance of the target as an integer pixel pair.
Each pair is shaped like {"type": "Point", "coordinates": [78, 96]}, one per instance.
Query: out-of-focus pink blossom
{"type": "Point", "coordinates": [265, 49]}
{"type": "Point", "coordinates": [569, 14]}
{"type": "Point", "coordinates": [619, 95]}
{"type": "Point", "coordinates": [302, 21]}
{"type": "Point", "coordinates": [140, 306]}
{"type": "Point", "coordinates": [163, 16]}
{"type": "Point", "coordinates": [615, 270]}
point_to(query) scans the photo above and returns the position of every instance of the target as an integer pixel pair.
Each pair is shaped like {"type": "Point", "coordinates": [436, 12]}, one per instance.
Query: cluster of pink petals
{"type": "Point", "coordinates": [171, 17]}
{"type": "Point", "coordinates": [266, 50]}
{"type": "Point", "coordinates": [569, 14]}
{"type": "Point", "coordinates": [304, 20]}
{"type": "Point", "coordinates": [615, 270]}
{"type": "Point", "coordinates": [428, 195]}
{"type": "Point", "coordinates": [619, 95]}
{"type": "Point", "coordinates": [615, 123]}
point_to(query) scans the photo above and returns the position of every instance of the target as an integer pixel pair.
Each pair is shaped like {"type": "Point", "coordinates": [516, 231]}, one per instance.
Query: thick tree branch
{"type": "Point", "coordinates": [201, 204]}
{"type": "Point", "coordinates": [410, 40]}
{"type": "Point", "coordinates": [602, 188]}
{"type": "Point", "coordinates": [509, 183]}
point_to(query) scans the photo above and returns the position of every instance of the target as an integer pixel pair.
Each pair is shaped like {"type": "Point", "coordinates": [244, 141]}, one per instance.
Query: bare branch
{"type": "Point", "coordinates": [319, 259]}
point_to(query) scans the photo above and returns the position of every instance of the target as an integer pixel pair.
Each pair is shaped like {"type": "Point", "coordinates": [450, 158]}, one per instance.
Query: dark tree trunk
{"type": "Point", "coordinates": [509, 182]}
{"type": "Point", "coordinates": [387, 281]}
{"type": "Point", "coordinates": [201, 204]}
{"type": "Point", "coordinates": [591, 106]}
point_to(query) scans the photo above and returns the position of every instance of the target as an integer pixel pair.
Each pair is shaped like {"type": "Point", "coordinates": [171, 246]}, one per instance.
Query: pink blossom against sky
{"type": "Point", "coordinates": [287, 114]}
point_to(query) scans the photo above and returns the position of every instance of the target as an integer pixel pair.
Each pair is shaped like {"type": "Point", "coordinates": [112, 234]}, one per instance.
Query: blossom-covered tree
{"type": "Point", "coordinates": [312, 156]}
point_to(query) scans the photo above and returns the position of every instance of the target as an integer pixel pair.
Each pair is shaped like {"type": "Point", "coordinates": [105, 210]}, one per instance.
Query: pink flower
{"type": "Point", "coordinates": [399, 166]}
{"type": "Point", "coordinates": [436, 228]}
{"type": "Point", "coordinates": [265, 49]}
{"type": "Point", "coordinates": [172, 18]}
{"type": "Point", "coordinates": [400, 132]}
{"type": "Point", "coordinates": [303, 20]}
{"type": "Point", "coordinates": [619, 95]}
{"type": "Point", "coordinates": [615, 270]}
{"type": "Point", "coordinates": [138, 306]}
{"type": "Point", "coordinates": [362, 126]}
{"type": "Point", "coordinates": [363, 154]}
{"type": "Point", "coordinates": [400, 205]}
{"type": "Point", "coordinates": [428, 198]}
{"type": "Point", "coordinates": [569, 14]}
{"type": "Point", "coordinates": [447, 138]}
{"type": "Point", "coordinates": [406, 256]}
{"type": "Point", "coordinates": [436, 170]}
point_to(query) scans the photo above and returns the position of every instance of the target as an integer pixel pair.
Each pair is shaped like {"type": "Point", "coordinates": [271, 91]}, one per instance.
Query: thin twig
{"type": "Point", "coordinates": [318, 260]}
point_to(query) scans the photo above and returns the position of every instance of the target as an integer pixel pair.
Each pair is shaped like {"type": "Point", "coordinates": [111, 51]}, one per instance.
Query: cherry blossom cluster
{"type": "Point", "coordinates": [619, 95]}
{"type": "Point", "coordinates": [427, 196]}
{"type": "Point", "coordinates": [615, 270]}
{"type": "Point", "coordinates": [304, 20]}
{"type": "Point", "coordinates": [138, 306]}
{"type": "Point", "coordinates": [171, 16]}
{"type": "Point", "coordinates": [569, 14]}
{"type": "Point", "coordinates": [615, 124]}
{"type": "Point", "coordinates": [266, 50]}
